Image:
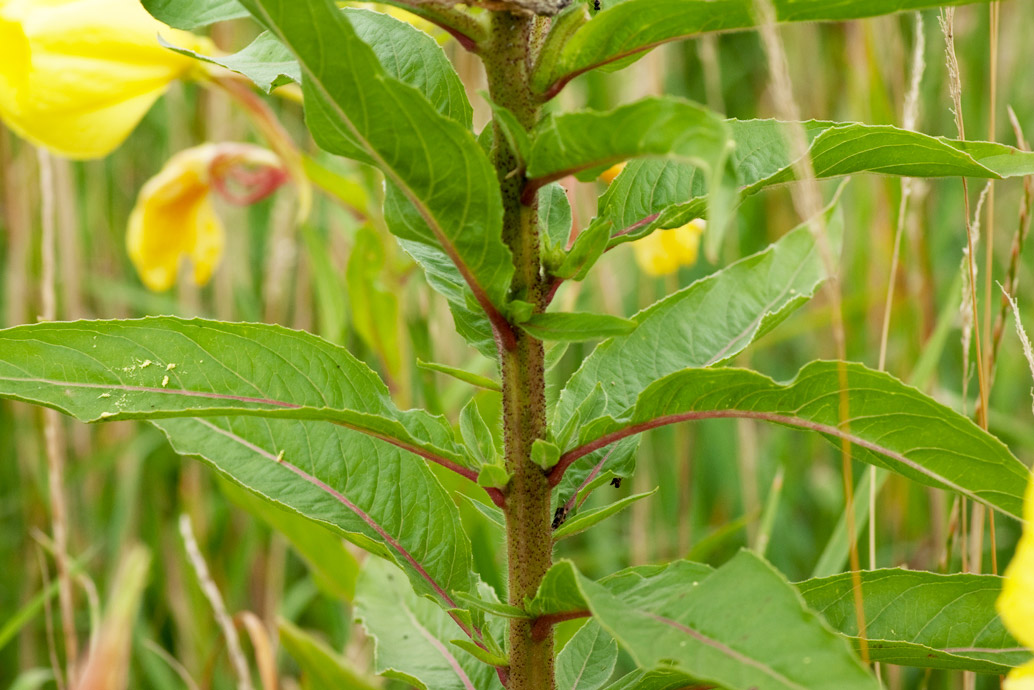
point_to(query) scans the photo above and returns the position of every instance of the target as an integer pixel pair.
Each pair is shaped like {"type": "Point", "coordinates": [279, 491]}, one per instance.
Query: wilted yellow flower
{"type": "Point", "coordinates": [612, 172]}
{"type": "Point", "coordinates": [662, 252]}
{"type": "Point", "coordinates": [174, 216]}
{"type": "Point", "coordinates": [76, 76]}
{"type": "Point", "coordinates": [1016, 603]}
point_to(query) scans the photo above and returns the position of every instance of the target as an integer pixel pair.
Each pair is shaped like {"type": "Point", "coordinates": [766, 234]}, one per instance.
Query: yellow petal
{"type": "Point", "coordinates": [174, 218]}
{"type": "Point", "coordinates": [683, 244]}
{"type": "Point", "coordinates": [612, 172]}
{"type": "Point", "coordinates": [1021, 678]}
{"type": "Point", "coordinates": [76, 76]}
{"type": "Point", "coordinates": [662, 252]}
{"type": "Point", "coordinates": [652, 255]}
{"type": "Point", "coordinates": [1016, 603]}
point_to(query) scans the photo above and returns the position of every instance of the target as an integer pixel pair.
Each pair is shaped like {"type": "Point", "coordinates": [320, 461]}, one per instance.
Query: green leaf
{"type": "Point", "coordinates": [916, 618]}
{"type": "Point", "coordinates": [514, 134]}
{"type": "Point", "coordinates": [493, 607]}
{"type": "Point", "coordinates": [165, 367]}
{"type": "Point", "coordinates": [265, 61]}
{"type": "Point", "coordinates": [650, 680]}
{"type": "Point", "coordinates": [413, 635]}
{"type": "Point", "coordinates": [587, 249]}
{"type": "Point", "coordinates": [493, 476]}
{"type": "Point", "coordinates": [588, 660]}
{"type": "Point", "coordinates": [577, 327]}
{"type": "Point", "coordinates": [684, 618]}
{"type": "Point", "coordinates": [462, 375]}
{"type": "Point", "coordinates": [645, 188]}
{"type": "Point", "coordinates": [583, 521]}
{"type": "Point", "coordinates": [589, 142]}
{"type": "Point", "coordinates": [118, 370]}
{"type": "Point", "coordinates": [890, 424]}
{"type": "Point", "coordinates": [555, 218]}
{"type": "Point", "coordinates": [476, 434]}
{"type": "Point", "coordinates": [322, 667]}
{"type": "Point", "coordinates": [836, 149]}
{"type": "Point", "coordinates": [631, 27]}
{"type": "Point", "coordinates": [374, 309]}
{"type": "Point", "coordinates": [193, 14]}
{"type": "Point", "coordinates": [705, 324]}
{"type": "Point", "coordinates": [544, 454]}
{"type": "Point", "coordinates": [333, 566]}
{"type": "Point", "coordinates": [653, 195]}
{"type": "Point", "coordinates": [442, 192]}
{"type": "Point", "coordinates": [406, 54]}
{"type": "Point", "coordinates": [482, 655]}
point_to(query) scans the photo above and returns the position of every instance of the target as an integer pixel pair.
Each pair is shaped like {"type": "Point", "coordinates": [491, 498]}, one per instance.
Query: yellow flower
{"type": "Point", "coordinates": [662, 252]}
{"type": "Point", "coordinates": [174, 216]}
{"type": "Point", "coordinates": [612, 172]}
{"type": "Point", "coordinates": [76, 76]}
{"type": "Point", "coordinates": [1016, 603]}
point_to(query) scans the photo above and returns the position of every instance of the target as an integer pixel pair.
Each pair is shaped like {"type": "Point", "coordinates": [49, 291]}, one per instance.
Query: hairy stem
{"type": "Point", "coordinates": [508, 58]}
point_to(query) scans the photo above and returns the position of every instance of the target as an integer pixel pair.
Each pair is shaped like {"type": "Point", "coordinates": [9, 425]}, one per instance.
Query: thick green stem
{"type": "Point", "coordinates": [528, 529]}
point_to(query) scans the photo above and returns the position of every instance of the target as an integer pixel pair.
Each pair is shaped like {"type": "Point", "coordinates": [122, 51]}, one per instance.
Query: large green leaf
{"type": "Point", "coordinates": [194, 14]}
{"type": "Point", "coordinates": [650, 195]}
{"type": "Point", "coordinates": [164, 367]}
{"type": "Point", "coordinates": [405, 52]}
{"type": "Point", "coordinates": [587, 660]}
{"type": "Point", "coordinates": [702, 325]}
{"type": "Point", "coordinates": [667, 127]}
{"type": "Point", "coordinates": [448, 198]}
{"type": "Point", "coordinates": [369, 491]}
{"type": "Point", "coordinates": [630, 27]}
{"type": "Point", "coordinates": [685, 618]}
{"type": "Point", "coordinates": [916, 618]}
{"type": "Point", "coordinates": [414, 636]}
{"type": "Point", "coordinates": [890, 424]}
{"type": "Point", "coordinates": [590, 141]}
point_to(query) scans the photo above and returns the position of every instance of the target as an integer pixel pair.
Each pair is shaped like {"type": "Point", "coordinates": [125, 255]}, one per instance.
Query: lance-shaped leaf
{"type": "Point", "coordinates": [650, 680]}
{"type": "Point", "coordinates": [449, 200]}
{"type": "Point", "coordinates": [194, 14]}
{"type": "Point", "coordinates": [589, 142]}
{"type": "Point", "coordinates": [631, 27]}
{"type": "Point", "coordinates": [590, 518]}
{"type": "Point", "coordinates": [705, 324]}
{"type": "Point", "coordinates": [915, 618]}
{"type": "Point", "coordinates": [587, 660]}
{"type": "Point", "coordinates": [576, 327]}
{"type": "Point", "coordinates": [413, 635]}
{"type": "Point", "coordinates": [686, 619]}
{"type": "Point", "coordinates": [405, 52]}
{"type": "Point", "coordinates": [651, 195]}
{"type": "Point", "coordinates": [163, 367]}
{"type": "Point", "coordinates": [365, 489]}
{"type": "Point", "coordinates": [889, 424]}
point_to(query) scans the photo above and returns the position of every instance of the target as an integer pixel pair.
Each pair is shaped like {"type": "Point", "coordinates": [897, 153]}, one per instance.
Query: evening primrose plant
{"type": "Point", "coordinates": [307, 428]}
